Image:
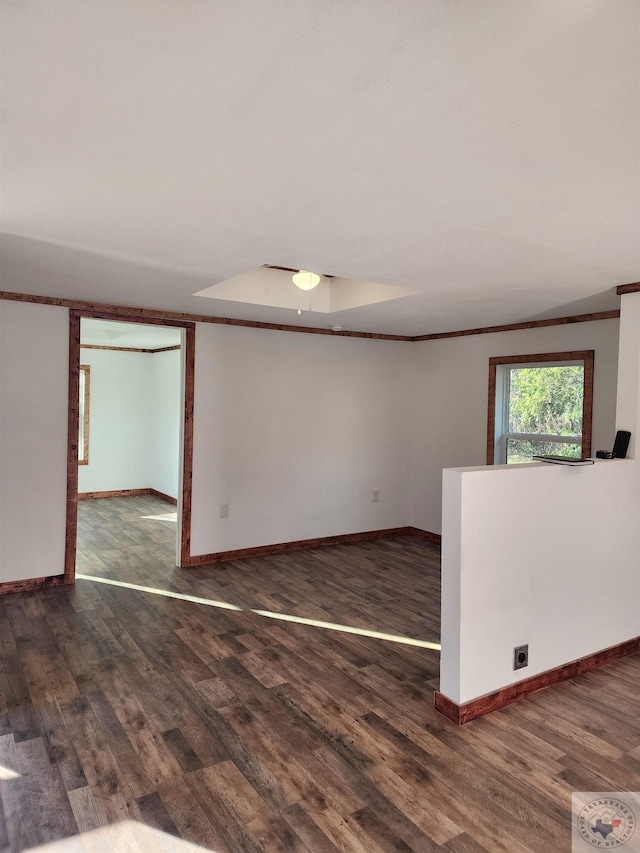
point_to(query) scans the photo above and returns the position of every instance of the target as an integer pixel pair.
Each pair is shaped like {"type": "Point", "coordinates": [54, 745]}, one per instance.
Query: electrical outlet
{"type": "Point", "coordinates": [521, 656]}
{"type": "Point", "coordinates": [376, 497]}
{"type": "Point", "coordinates": [224, 510]}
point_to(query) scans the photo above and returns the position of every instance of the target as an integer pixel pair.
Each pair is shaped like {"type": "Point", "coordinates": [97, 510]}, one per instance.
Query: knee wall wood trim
{"type": "Point", "coordinates": [461, 714]}
{"type": "Point", "coordinates": [33, 583]}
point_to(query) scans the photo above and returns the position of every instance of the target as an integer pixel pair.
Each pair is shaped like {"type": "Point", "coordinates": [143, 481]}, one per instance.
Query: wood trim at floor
{"type": "Point", "coordinates": [461, 714]}
{"type": "Point", "coordinates": [164, 497]}
{"type": "Point", "coordinates": [109, 312]}
{"type": "Point", "coordinates": [113, 493]}
{"type": "Point", "coordinates": [32, 583]}
{"type": "Point", "coordinates": [221, 556]}
{"type": "Point", "coordinates": [124, 493]}
{"type": "Point", "coordinates": [436, 538]}
{"type": "Point", "coordinates": [305, 544]}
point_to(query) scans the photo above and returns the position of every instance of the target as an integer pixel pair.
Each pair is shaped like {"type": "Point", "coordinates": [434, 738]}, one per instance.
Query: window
{"type": "Point", "coordinates": [539, 404]}
{"type": "Point", "coordinates": [83, 413]}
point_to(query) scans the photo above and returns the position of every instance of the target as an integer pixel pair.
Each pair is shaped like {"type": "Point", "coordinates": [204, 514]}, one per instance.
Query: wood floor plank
{"type": "Point", "coordinates": [86, 811]}
{"type": "Point", "coordinates": [308, 830]}
{"type": "Point", "coordinates": [41, 789]}
{"type": "Point", "coordinates": [189, 817]}
{"type": "Point", "coordinates": [274, 833]}
{"type": "Point", "coordinates": [110, 786]}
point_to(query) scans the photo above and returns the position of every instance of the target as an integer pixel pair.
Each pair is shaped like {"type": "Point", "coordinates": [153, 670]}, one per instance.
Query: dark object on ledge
{"type": "Point", "coordinates": [621, 444]}
{"type": "Point", "coordinates": [563, 460]}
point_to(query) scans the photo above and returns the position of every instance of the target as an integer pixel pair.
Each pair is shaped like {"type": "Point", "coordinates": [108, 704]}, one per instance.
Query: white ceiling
{"type": "Point", "coordinates": [482, 153]}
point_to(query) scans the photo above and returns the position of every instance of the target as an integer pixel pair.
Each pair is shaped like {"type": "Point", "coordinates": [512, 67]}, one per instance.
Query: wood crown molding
{"type": "Point", "coordinates": [516, 327]}
{"type": "Point", "coordinates": [634, 287]}
{"type": "Point", "coordinates": [461, 714]}
{"type": "Point", "coordinates": [129, 349]}
{"type": "Point", "coordinates": [108, 312]}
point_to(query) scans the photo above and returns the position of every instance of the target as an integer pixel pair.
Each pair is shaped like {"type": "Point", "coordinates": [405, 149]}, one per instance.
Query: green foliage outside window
{"type": "Point", "coordinates": [546, 401]}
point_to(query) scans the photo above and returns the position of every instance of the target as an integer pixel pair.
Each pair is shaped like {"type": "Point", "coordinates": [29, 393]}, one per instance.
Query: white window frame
{"type": "Point", "coordinates": [503, 379]}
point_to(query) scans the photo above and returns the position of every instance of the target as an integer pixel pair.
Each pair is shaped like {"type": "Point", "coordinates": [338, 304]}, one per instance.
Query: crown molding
{"type": "Point", "coordinates": [123, 312]}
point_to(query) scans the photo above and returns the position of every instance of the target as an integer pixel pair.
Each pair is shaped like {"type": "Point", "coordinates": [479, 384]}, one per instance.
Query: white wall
{"type": "Point", "coordinates": [134, 421]}
{"type": "Point", "coordinates": [295, 432]}
{"type": "Point", "coordinates": [165, 415]}
{"type": "Point", "coordinates": [449, 392]}
{"type": "Point", "coordinates": [120, 402]}
{"type": "Point", "coordinates": [628, 406]}
{"type": "Point", "coordinates": [34, 358]}
{"type": "Point", "coordinates": [539, 554]}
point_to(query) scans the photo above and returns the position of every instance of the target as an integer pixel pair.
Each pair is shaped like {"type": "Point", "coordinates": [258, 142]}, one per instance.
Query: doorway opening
{"type": "Point", "coordinates": [130, 445]}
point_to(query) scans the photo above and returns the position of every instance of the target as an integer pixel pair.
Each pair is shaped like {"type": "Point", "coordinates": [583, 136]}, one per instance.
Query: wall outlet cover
{"type": "Point", "coordinates": [521, 656]}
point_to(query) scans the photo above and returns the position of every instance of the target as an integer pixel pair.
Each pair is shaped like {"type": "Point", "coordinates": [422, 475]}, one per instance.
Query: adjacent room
{"type": "Point", "coordinates": [291, 294]}
{"type": "Point", "coordinates": [129, 445]}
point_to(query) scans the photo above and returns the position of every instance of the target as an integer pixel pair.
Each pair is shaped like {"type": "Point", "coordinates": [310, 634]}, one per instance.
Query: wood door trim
{"type": "Point", "coordinates": [72, 449]}
{"type": "Point", "coordinates": [187, 443]}
{"type": "Point", "coordinates": [73, 425]}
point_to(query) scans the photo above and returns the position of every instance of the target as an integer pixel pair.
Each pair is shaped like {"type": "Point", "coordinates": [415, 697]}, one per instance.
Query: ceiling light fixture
{"type": "Point", "coordinates": [306, 280]}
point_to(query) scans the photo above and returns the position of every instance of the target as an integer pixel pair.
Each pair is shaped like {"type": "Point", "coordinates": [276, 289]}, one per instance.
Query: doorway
{"type": "Point", "coordinates": [130, 440]}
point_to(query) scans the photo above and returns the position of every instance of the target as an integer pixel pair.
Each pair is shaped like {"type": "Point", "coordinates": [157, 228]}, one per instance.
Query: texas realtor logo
{"type": "Point", "coordinates": [605, 821]}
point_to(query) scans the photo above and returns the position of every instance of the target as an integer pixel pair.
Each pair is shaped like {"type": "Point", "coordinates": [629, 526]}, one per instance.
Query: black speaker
{"type": "Point", "coordinates": [621, 444]}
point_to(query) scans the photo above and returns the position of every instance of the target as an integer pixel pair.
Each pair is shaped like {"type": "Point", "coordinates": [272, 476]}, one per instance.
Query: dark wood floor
{"type": "Point", "coordinates": [243, 733]}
